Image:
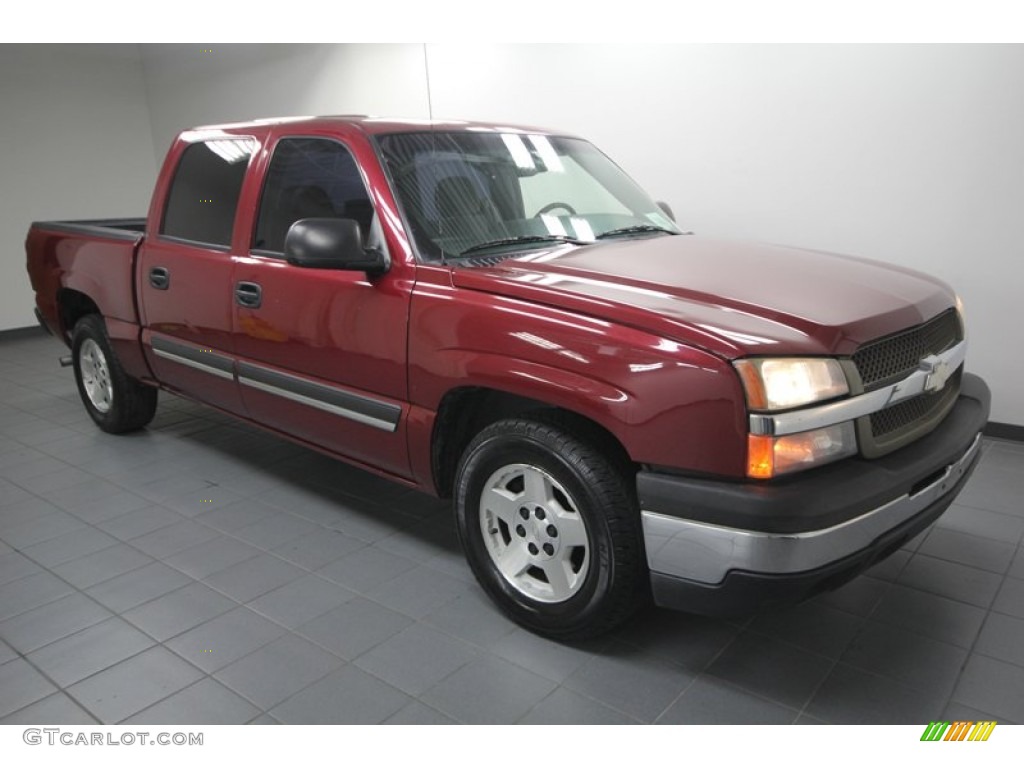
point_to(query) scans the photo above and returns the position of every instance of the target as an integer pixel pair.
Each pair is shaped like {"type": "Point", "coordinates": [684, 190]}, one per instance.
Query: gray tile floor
{"type": "Point", "coordinates": [202, 571]}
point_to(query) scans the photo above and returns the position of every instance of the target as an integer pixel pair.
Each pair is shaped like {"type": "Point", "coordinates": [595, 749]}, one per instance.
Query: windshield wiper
{"type": "Point", "coordinates": [521, 239]}
{"type": "Point", "coordinates": [635, 229]}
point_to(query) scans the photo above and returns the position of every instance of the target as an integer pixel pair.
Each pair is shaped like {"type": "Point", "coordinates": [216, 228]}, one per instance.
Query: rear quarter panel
{"type": "Point", "coordinates": [101, 268]}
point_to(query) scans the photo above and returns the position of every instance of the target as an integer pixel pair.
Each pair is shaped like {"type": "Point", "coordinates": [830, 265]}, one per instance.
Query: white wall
{"type": "Point", "coordinates": [75, 142]}
{"type": "Point", "coordinates": [187, 86]}
{"type": "Point", "coordinates": [907, 154]}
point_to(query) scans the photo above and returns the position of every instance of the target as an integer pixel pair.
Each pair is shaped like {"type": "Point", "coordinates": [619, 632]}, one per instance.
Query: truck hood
{"type": "Point", "coordinates": [731, 298]}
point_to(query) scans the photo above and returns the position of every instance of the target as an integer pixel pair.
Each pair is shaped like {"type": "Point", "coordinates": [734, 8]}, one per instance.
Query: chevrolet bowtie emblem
{"type": "Point", "coordinates": [938, 371]}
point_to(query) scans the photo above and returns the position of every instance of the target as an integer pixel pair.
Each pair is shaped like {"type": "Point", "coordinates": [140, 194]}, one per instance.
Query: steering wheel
{"type": "Point", "coordinates": [552, 206]}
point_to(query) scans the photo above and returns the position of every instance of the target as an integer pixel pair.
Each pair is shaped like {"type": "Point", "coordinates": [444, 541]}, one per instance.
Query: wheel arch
{"type": "Point", "coordinates": [465, 411]}
{"type": "Point", "coordinates": [72, 306]}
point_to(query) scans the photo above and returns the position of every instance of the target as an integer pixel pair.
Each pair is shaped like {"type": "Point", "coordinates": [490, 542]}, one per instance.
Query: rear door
{"type": "Point", "coordinates": [184, 278]}
{"type": "Point", "coordinates": [322, 352]}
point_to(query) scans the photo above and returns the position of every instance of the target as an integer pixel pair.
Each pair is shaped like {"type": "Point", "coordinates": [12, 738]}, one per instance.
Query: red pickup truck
{"type": "Point", "coordinates": [500, 315]}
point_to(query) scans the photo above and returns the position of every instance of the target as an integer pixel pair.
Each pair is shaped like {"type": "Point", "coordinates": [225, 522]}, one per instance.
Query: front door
{"type": "Point", "coordinates": [322, 352]}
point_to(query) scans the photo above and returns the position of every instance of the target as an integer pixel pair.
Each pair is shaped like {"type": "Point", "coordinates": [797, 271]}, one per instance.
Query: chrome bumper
{"type": "Point", "coordinates": [706, 553]}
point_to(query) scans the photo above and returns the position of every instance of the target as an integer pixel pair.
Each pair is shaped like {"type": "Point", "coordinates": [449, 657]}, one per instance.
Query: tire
{"type": "Point", "coordinates": [114, 400]}
{"type": "Point", "coordinates": [550, 526]}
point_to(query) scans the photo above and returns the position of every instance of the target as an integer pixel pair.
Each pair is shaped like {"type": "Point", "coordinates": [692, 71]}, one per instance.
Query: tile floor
{"type": "Point", "coordinates": [202, 571]}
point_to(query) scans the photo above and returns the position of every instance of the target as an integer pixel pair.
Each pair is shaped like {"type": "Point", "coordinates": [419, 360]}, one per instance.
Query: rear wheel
{"type": "Point", "coordinates": [550, 526]}
{"type": "Point", "coordinates": [114, 400]}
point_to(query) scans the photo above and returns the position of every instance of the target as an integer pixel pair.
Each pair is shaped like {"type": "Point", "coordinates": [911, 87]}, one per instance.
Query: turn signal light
{"type": "Point", "coordinates": [769, 456]}
{"type": "Point", "coordinates": [760, 456]}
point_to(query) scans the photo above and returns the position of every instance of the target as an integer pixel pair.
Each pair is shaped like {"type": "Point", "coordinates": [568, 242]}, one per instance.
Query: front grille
{"type": "Point", "coordinates": [911, 412]}
{"type": "Point", "coordinates": [886, 361]}
{"type": "Point", "coordinates": [899, 355]}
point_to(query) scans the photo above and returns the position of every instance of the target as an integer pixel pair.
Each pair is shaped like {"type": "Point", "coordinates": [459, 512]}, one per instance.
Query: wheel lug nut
{"type": "Point", "coordinates": [552, 531]}
{"type": "Point", "coordinates": [540, 514]}
{"type": "Point", "coordinates": [533, 548]}
{"type": "Point", "coordinates": [548, 549]}
{"type": "Point", "coordinates": [520, 530]}
{"type": "Point", "coordinates": [524, 513]}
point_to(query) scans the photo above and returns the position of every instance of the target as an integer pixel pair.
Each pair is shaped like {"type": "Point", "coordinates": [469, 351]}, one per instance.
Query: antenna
{"type": "Point", "coordinates": [426, 72]}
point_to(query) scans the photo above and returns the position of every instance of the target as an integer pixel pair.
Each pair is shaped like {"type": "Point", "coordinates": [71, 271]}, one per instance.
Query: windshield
{"type": "Point", "coordinates": [467, 192]}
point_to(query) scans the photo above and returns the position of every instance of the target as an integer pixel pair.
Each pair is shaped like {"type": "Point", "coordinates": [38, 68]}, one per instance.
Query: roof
{"type": "Point", "coordinates": [377, 125]}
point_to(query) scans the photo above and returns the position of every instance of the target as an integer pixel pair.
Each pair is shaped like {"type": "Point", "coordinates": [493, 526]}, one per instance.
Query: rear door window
{"type": "Point", "coordinates": [204, 193]}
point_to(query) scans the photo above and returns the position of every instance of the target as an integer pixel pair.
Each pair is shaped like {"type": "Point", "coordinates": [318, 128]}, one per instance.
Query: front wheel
{"type": "Point", "coordinates": [550, 527]}
{"type": "Point", "coordinates": [114, 400]}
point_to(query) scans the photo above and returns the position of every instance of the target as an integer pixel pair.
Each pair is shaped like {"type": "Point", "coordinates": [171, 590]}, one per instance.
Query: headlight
{"type": "Point", "coordinates": [775, 384]}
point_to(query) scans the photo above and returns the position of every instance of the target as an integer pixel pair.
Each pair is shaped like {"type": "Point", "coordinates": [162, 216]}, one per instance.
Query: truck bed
{"type": "Point", "coordinates": [120, 229]}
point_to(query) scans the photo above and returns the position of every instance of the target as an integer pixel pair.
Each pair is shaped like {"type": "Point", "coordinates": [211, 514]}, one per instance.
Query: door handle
{"type": "Point", "coordinates": [160, 278]}
{"type": "Point", "coordinates": [249, 295]}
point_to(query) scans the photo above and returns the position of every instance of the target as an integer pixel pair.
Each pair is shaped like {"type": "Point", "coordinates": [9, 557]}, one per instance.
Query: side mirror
{"type": "Point", "coordinates": [667, 210]}
{"type": "Point", "coordinates": [331, 244]}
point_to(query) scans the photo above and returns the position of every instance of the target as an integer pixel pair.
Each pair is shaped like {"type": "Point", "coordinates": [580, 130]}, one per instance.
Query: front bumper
{"type": "Point", "coordinates": [726, 548]}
